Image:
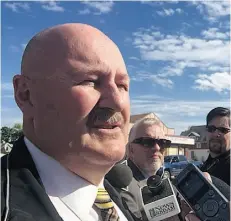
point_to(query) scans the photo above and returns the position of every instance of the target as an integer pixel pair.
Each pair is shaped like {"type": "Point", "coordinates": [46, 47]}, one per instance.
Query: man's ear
{"type": "Point", "coordinates": [22, 94]}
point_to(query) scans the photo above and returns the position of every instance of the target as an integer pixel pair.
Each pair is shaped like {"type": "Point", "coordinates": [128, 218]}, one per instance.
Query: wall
{"type": "Point", "coordinates": [200, 155]}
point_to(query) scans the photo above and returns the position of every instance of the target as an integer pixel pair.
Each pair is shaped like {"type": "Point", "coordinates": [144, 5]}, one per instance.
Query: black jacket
{"type": "Point", "coordinates": [218, 167]}
{"type": "Point", "coordinates": [26, 196]}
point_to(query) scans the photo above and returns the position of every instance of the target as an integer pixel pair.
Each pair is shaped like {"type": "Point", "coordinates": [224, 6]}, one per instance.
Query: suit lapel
{"type": "Point", "coordinates": [135, 170]}
{"type": "Point", "coordinates": [117, 199]}
{"type": "Point", "coordinates": [23, 174]}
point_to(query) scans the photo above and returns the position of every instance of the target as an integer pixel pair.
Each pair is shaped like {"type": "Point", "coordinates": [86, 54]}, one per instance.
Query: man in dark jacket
{"type": "Point", "coordinates": [218, 138]}
{"type": "Point", "coordinates": [146, 148]}
{"type": "Point", "coordinates": [73, 93]}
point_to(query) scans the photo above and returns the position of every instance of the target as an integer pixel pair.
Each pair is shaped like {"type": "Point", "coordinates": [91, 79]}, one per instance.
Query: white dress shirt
{"type": "Point", "coordinates": [71, 195]}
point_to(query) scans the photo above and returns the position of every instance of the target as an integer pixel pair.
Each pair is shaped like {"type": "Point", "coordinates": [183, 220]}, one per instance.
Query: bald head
{"type": "Point", "coordinates": [72, 74]}
{"type": "Point", "coordinates": [140, 128]}
{"type": "Point", "coordinates": [54, 45]}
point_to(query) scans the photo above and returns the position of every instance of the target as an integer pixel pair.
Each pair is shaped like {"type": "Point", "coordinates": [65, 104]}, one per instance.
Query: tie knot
{"type": "Point", "coordinates": [103, 200]}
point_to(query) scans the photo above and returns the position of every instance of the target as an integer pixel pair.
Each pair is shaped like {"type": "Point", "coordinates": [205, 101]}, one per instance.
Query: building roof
{"type": "Point", "coordinates": [136, 117]}
{"type": "Point", "coordinates": [194, 134]}
{"type": "Point", "coordinates": [199, 130]}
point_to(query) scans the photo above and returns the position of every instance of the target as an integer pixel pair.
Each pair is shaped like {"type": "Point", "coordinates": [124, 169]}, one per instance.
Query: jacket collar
{"type": "Point", "coordinates": [20, 158]}
{"type": "Point", "coordinates": [220, 157]}
{"type": "Point", "coordinates": [137, 174]}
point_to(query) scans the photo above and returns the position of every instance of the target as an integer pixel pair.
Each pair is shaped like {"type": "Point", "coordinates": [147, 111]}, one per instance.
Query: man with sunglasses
{"type": "Point", "coordinates": [218, 138]}
{"type": "Point", "coordinates": [145, 149]}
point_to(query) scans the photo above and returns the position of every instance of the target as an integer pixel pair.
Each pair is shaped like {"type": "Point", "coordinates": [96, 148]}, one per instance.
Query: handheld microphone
{"type": "Point", "coordinates": [159, 199]}
{"type": "Point", "coordinates": [120, 176]}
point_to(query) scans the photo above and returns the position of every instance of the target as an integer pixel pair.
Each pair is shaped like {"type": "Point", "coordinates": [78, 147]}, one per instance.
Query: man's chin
{"type": "Point", "coordinates": [215, 149]}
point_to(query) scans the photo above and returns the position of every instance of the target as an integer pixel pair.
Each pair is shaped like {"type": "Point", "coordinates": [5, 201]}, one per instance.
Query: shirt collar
{"type": "Point", "coordinates": [59, 182]}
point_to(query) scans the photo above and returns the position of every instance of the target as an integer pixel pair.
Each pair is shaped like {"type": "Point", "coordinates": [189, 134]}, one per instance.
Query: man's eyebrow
{"type": "Point", "coordinates": [96, 71]}
{"type": "Point", "coordinates": [123, 76]}
{"type": "Point", "coordinates": [86, 71]}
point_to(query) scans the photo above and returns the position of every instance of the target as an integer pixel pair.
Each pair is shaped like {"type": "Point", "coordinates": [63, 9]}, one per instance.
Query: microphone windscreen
{"type": "Point", "coordinates": [120, 176]}
{"type": "Point", "coordinates": [221, 186]}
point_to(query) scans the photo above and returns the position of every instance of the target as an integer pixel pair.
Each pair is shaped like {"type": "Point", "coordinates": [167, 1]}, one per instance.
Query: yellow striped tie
{"type": "Point", "coordinates": [104, 203]}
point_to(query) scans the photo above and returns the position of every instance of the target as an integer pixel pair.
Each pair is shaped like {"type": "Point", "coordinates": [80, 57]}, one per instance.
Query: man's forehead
{"type": "Point", "coordinates": [94, 70]}
{"type": "Point", "coordinates": [221, 121]}
{"type": "Point", "coordinates": [154, 130]}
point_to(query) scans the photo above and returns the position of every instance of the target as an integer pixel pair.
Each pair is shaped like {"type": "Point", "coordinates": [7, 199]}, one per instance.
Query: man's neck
{"type": "Point", "coordinates": [214, 155]}
{"type": "Point", "coordinates": [146, 173]}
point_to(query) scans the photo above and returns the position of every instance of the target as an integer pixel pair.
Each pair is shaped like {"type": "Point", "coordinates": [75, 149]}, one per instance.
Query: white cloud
{"type": "Point", "coordinates": [158, 3]}
{"type": "Point", "coordinates": [85, 11]}
{"type": "Point", "coordinates": [154, 78]}
{"type": "Point", "coordinates": [178, 114]}
{"type": "Point", "coordinates": [149, 98]}
{"type": "Point", "coordinates": [134, 58]}
{"type": "Point", "coordinates": [11, 117]}
{"type": "Point", "coordinates": [152, 3]}
{"type": "Point", "coordinates": [169, 12]}
{"type": "Point", "coordinates": [181, 52]}
{"type": "Point", "coordinates": [225, 24]}
{"type": "Point", "coordinates": [181, 48]}
{"type": "Point", "coordinates": [14, 48]}
{"type": "Point", "coordinates": [179, 10]}
{"type": "Point", "coordinates": [213, 10]}
{"type": "Point", "coordinates": [98, 7]}
{"type": "Point", "coordinates": [166, 12]}
{"type": "Point", "coordinates": [23, 46]}
{"type": "Point", "coordinates": [167, 83]}
{"type": "Point", "coordinates": [52, 6]}
{"type": "Point", "coordinates": [7, 96]}
{"type": "Point", "coordinates": [174, 69]}
{"type": "Point", "coordinates": [213, 33]}
{"type": "Point", "coordinates": [7, 86]}
{"type": "Point", "coordinates": [219, 82]}
{"type": "Point", "coordinates": [16, 6]}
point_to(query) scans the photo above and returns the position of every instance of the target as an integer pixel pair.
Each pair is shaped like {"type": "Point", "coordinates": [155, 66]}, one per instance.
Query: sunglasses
{"type": "Point", "coordinates": [150, 142]}
{"type": "Point", "coordinates": [211, 129]}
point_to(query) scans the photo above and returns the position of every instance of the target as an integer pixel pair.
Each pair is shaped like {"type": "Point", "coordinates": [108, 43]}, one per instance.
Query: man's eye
{"type": "Point", "coordinates": [123, 86]}
{"type": "Point", "coordinates": [90, 83]}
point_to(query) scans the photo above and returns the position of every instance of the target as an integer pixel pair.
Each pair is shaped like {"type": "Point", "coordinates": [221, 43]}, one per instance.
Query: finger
{"type": "Point", "coordinates": [207, 176]}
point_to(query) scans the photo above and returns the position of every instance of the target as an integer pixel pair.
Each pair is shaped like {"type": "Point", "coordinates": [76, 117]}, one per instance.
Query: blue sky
{"type": "Point", "coordinates": [177, 53]}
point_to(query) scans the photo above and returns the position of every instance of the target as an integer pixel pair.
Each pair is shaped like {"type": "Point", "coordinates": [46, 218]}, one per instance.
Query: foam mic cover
{"type": "Point", "coordinates": [154, 184]}
{"type": "Point", "coordinates": [221, 186]}
{"type": "Point", "coordinates": [120, 176]}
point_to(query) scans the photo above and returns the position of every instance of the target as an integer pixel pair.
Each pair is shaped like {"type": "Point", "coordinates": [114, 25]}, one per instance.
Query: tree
{"type": "Point", "coordinates": [10, 135]}
{"type": "Point", "coordinates": [18, 126]}
{"type": "Point", "coordinates": [6, 134]}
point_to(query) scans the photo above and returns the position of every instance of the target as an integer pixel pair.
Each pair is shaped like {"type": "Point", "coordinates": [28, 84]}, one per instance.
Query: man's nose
{"type": "Point", "coordinates": [216, 133]}
{"type": "Point", "coordinates": [113, 97]}
{"type": "Point", "coordinates": [155, 147]}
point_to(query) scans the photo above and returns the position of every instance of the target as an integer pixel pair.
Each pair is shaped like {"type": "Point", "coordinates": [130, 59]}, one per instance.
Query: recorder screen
{"type": "Point", "coordinates": [193, 187]}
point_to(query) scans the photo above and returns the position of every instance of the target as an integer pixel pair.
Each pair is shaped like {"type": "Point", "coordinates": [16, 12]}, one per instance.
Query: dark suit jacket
{"type": "Point", "coordinates": [28, 200]}
{"type": "Point", "coordinates": [218, 167]}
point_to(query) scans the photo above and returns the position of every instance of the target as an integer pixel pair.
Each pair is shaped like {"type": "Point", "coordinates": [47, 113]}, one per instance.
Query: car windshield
{"type": "Point", "coordinates": [167, 159]}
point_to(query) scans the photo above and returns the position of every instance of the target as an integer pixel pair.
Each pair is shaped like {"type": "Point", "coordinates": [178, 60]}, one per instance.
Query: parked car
{"type": "Point", "coordinates": [174, 164]}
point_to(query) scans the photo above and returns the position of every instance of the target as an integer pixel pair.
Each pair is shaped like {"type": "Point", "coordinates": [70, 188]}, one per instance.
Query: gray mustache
{"type": "Point", "coordinates": [105, 115]}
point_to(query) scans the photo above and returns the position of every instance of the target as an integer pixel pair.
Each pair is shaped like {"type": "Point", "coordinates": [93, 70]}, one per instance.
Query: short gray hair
{"type": "Point", "coordinates": [143, 121]}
